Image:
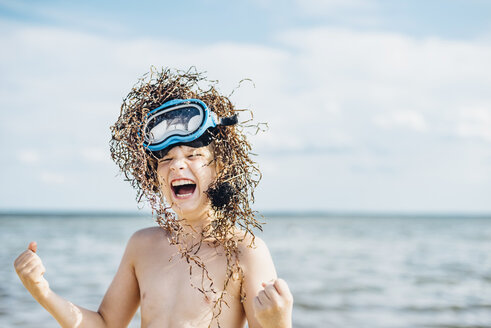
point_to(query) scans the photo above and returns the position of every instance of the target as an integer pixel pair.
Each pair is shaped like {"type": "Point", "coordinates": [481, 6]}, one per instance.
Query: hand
{"type": "Point", "coordinates": [30, 270]}
{"type": "Point", "coordinates": [273, 305]}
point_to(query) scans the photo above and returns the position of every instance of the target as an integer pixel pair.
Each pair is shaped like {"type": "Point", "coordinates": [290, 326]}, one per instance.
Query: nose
{"type": "Point", "coordinates": [178, 164]}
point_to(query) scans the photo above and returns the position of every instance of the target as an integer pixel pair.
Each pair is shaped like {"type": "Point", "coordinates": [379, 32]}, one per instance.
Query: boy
{"type": "Point", "coordinates": [180, 147]}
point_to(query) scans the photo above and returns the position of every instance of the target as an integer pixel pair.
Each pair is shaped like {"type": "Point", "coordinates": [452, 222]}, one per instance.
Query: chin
{"type": "Point", "coordinates": [189, 210]}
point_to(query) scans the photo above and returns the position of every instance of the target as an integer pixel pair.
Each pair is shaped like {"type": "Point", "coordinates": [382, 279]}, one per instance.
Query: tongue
{"type": "Point", "coordinates": [185, 189]}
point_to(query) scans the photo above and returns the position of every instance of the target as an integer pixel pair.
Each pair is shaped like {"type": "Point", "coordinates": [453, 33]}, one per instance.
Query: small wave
{"type": "Point", "coordinates": [446, 308]}
{"type": "Point", "coordinates": [309, 306]}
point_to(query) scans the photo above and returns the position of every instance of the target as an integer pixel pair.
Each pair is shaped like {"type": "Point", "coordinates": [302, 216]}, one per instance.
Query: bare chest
{"type": "Point", "coordinates": [178, 293]}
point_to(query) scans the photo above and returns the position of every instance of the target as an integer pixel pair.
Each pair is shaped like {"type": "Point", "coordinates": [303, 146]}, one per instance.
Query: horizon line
{"type": "Point", "coordinates": [265, 213]}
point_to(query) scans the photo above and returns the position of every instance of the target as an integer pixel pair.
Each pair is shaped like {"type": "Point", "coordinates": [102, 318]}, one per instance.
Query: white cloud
{"type": "Point", "coordinates": [95, 154]}
{"type": "Point", "coordinates": [402, 119]}
{"type": "Point", "coordinates": [375, 74]}
{"type": "Point", "coordinates": [475, 123]}
{"type": "Point", "coordinates": [28, 156]}
{"type": "Point", "coordinates": [52, 178]}
{"type": "Point", "coordinates": [326, 7]}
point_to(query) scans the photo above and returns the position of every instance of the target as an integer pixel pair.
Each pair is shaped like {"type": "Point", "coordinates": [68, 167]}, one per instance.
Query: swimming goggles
{"type": "Point", "coordinates": [179, 121]}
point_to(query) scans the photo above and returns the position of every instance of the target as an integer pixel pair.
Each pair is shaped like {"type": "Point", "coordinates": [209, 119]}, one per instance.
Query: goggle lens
{"type": "Point", "coordinates": [180, 120]}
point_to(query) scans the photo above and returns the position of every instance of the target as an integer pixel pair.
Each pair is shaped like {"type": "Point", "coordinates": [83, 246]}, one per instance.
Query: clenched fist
{"type": "Point", "coordinates": [30, 269]}
{"type": "Point", "coordinates": [273, 305]}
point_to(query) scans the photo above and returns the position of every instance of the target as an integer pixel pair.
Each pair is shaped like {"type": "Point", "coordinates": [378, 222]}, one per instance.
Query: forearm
{"type": "Point", "coordinates": [68, 314]}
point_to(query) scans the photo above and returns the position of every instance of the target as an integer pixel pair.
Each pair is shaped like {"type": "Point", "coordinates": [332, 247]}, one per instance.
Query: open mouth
{"type": "Point", "coordinates": [183, 188]}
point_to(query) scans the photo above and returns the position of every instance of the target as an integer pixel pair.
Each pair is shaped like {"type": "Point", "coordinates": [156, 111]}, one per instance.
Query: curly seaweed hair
{"type": "Point", "coordinates": [232, 193]}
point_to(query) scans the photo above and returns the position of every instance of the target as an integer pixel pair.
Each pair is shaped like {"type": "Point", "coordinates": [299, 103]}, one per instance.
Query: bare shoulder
{"type": "Point", "coordinates": [148, 237]}
{"type": "Point", "coordinates": [253, 253]}
{"type": "Point", "coordinates": [149, 233]}
{"type": "Point", "coordinates": [146, 234]}
{"type": "Point", "coordinates": [249, 245]}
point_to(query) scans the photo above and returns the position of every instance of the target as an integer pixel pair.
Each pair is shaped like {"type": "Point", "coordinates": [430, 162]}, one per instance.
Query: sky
{"type": "Point", "coordinates": [372, 105]}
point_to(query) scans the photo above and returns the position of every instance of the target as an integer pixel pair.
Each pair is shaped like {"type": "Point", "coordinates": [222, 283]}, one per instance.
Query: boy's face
{"type": "Point", "coordinates": [185, 173]}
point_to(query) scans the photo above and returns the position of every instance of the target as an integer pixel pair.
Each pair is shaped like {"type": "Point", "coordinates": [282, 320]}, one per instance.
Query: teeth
{"type": "Point", "coordinates": [181, 182]}
{"type": "Point", "coordinates": [183, 195]}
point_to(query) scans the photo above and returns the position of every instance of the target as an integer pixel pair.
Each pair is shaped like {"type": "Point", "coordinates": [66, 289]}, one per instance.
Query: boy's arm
{"type": "Point", "coordinates": [117, 308]}
{"type": "Point", "coordinates": [268, 300]}
{"type": "Point", "coordinates": [122, 298]}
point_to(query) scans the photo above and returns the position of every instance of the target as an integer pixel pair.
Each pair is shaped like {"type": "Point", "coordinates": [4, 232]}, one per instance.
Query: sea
{"type": "Point", "coordinates": [380, 271]}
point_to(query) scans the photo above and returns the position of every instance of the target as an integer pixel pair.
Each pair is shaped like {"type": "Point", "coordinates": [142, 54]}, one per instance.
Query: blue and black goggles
{"type": "Point", "coordinates": [179, 121]}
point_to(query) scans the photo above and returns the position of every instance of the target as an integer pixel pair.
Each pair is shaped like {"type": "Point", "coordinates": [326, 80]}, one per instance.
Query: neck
{"type": "Point", "coordinates": [194, 225]}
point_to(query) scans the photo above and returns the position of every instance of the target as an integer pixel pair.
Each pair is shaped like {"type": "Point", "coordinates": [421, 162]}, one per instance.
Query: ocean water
{"type": "Point", "coordinates": [343, 271]}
